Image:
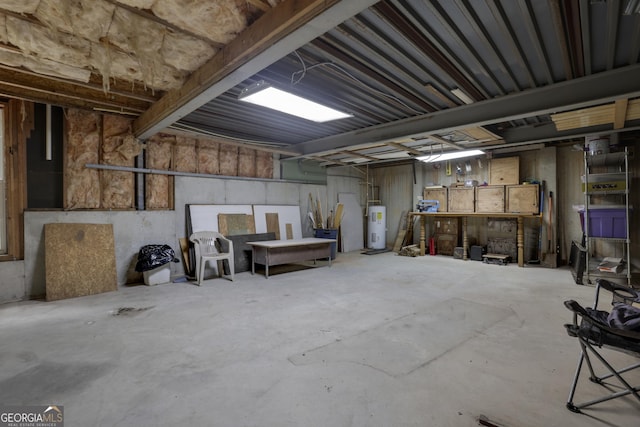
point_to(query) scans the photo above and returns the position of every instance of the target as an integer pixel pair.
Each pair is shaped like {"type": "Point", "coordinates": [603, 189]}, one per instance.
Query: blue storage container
{"type": "Point", "coordinates": [328, 233]}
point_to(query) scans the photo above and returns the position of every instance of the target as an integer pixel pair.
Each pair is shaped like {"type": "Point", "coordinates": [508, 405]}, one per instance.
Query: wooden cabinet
{"type": "Point", "coordinates": [523, 199]}
{"type": "Point", "coordinates": [461, 199]}
{"type": "Point", "coordinates": [439, 194]}
{"type": "Point", "coordinates": [504, 171]}
{"type": "Point", "coordinates": [490, 199]}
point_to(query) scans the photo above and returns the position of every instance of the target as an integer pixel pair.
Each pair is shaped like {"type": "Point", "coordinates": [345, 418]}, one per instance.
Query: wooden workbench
{"type": "Point", "coordinates": [465, 240]}
{"type": "Point", "coordinates": [276, 252]}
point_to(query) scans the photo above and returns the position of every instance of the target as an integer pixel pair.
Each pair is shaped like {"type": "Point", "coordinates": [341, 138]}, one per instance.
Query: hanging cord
{"type": "Point", "coordinates": [297, 76]}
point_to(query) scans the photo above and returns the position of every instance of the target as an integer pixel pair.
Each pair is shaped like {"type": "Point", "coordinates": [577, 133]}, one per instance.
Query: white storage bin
{"type": "Point", "coordinates": [158, 275]}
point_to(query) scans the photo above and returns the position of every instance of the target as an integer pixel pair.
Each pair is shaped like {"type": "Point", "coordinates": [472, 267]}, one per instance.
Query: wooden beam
{"type": "Point", "coordinates": [323, 160]}
{"type": "Point", "coordinates": [443, 141]}
{"type": "Point", "coordinates": [441, 96]}
{"type": "Point", "coordinates": [620, 114]}
{"type": "Point", "coordinates": [404, 148]}
{"type": "Point", "coordinates": [56, 91]}
{"type": "Point", "coordinates": [356, 154]}
{"type": "Point", "coordinates": [274, 35]}
{"type": "Point", "coordinates": [259, 4]}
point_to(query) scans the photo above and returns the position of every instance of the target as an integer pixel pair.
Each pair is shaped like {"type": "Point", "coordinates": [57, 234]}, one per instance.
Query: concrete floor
{"type": "Point", "coordinates": [375, 340]}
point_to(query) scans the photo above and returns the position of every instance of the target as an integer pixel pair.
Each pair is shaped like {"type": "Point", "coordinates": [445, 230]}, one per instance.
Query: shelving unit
{"type": "Point", "coordinates": [606, 216]}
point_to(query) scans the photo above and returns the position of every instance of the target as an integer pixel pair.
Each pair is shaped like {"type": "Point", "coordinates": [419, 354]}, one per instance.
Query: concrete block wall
{"type": "Point", "coordinates": [25, 279]}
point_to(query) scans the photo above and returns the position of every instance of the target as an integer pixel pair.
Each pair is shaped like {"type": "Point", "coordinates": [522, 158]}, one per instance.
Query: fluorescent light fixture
{"type": "Point", "coordinates": [450, 156]}
{"type": "Point", "coordinates": [462, 96]}
{"type": "Point", "coordinates": [265, 95]}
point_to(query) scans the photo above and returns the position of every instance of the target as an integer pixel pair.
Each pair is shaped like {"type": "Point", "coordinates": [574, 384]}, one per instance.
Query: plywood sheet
{"type": "Point", "coordinates": [273, 225]}
{"type": "Point", "coordinates": [351, 227]}
{"type": "Point", "coordinates": [80, 260]}
{"type": "Point", "coordinates": [287, 214]}
{"type": "Point", "coordinates": [205, 217]}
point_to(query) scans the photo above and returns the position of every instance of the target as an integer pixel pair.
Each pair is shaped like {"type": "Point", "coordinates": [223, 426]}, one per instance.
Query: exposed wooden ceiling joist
{"type": "Point", "coordinates": [356, 154]}
{"type": "Point", "coordinates": [620, 114]}
{"type": "Point", "coordinates": [404, 148]}
{"type": "Point", "coordinates": [32, 86]}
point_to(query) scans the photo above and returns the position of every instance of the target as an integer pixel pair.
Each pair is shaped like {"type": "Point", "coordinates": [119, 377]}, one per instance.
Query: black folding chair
{"type": "Point", "coordinates": [596, 331]}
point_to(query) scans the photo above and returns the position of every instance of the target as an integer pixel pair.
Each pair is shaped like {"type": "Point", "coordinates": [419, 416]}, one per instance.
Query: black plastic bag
{"type": "Point", "coordinates": [153, 256]}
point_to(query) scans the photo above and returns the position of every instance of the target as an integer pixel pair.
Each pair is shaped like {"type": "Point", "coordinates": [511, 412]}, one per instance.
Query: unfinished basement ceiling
{"type": "Point", "coordinates": [181, 64]}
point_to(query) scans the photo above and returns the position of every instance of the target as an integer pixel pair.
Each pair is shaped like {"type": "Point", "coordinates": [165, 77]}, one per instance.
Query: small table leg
{"type": "Point", "coordinates": [465, 239]}
{"type": "Point", "coordinates": [423, 234]}
{"type": "Point", "coordinates": [520, 240]}
{"type": "Point", "coordinates": [253, 260]}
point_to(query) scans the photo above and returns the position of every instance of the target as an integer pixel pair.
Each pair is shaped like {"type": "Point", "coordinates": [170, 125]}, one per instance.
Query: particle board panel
{"type": "Point", "coordinates": [289, 230]}
{"type": "Point", "coordinates": [233, 224]}
{"type": "Point", "coordinates": [287, 214]}
{"type": "Point", "coordinates": [80, 259]}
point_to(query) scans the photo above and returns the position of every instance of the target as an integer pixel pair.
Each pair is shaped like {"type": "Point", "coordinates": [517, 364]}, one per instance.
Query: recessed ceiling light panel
{"type": "Point", "coordinates": [265, 95]}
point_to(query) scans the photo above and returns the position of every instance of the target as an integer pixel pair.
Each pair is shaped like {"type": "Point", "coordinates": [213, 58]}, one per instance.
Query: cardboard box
{"type": "Point", "coordinates": [490, 199]}
{"type": "Point", "coordinates": [461, 199]}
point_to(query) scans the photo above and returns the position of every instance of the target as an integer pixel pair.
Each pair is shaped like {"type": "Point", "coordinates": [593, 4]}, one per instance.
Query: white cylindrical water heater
{"type": "Point", "coordinates": [377, 226]}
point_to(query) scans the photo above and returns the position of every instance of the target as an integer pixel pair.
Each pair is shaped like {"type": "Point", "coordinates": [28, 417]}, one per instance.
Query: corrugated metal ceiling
{"type": "Point", "coordinates": [400, 59]}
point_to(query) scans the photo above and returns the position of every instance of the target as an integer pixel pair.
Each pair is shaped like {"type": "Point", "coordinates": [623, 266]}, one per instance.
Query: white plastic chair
{"type": "Point", "coordinates": [208, 245]}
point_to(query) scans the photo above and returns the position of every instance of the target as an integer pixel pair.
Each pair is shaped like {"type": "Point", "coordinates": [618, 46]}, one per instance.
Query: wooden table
{"type": "Point", "coordinates": [276, 252]}
{"type": "Point", "coordinates": [465, 240]}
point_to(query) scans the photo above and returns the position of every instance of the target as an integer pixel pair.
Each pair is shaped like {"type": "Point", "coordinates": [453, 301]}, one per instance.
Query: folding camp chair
{"type": "Point", "coordinates": [599, 330]}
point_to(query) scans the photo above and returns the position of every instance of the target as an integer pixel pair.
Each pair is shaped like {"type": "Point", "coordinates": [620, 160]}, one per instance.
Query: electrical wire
{"type": "Point", "coordinates": [184, 127]}
{"type": "Point", "coordinates": [297, 76]}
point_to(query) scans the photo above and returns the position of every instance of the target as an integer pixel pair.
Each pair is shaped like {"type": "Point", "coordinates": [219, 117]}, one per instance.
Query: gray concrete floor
{"type": "Point", "coordinates": [375, 340]}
